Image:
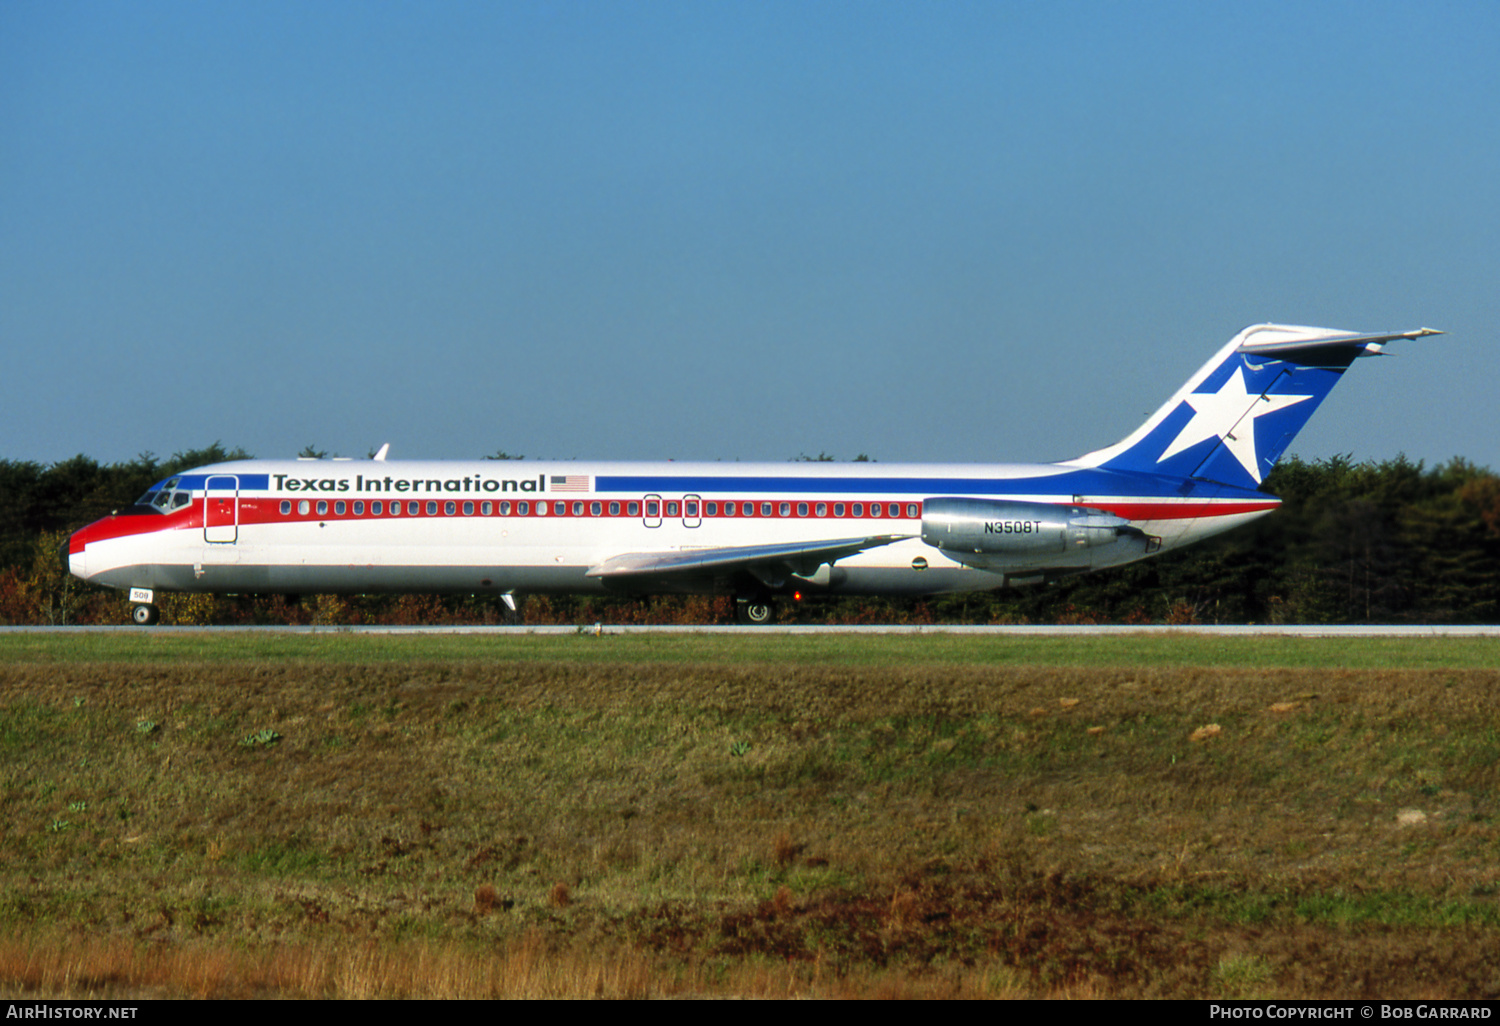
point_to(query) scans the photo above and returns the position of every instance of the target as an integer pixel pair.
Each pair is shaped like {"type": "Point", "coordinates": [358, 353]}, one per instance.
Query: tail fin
{"type": "Point", "coordinates": [1237, 415]}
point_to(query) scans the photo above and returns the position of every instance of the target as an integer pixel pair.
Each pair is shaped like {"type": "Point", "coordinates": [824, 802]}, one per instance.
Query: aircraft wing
{"type": "Point", "coordinates": [771, 565]}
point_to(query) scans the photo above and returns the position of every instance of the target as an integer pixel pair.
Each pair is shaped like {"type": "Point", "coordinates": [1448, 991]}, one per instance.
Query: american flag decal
{"type": "Point", "coordinates": [570, 483]}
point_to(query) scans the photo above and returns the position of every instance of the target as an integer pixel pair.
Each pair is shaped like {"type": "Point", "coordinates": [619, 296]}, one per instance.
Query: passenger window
{"type": "Point", "coordinates": [359, 509]}
{"type": "Point", "coordinates": [303, 507]}
{"type": "Point", "coordinates": [560, 508]}
{"type": "Point", "coordinates": [765, 509]}
{"type": "Point", "coordinates": [339, 507]}
{"type": "Point", "coordinates": [633, 509]}
{"type": "Point", "coordinates": [785, 509]}
{"type": "Point", "coordinates": [838, 509]}
{"type": "Point", "coordinates": [578, 509]}
{"type": "Point", "coordinates": [614, 509]}
{"type": "Point", "coordinates": [802, 509]}
{"type": "Point", "coordinates": [286, 506]}
{"type": "Point", "coordinates": [691, 509]}
{"type": "Point", "coordinates": [858, 509]}
{"type": "Point", "coordinates": [449, 508]}
{"type": "Point", "coordinates": [596, 509]}
{"type": "Point", "coordinates": [505, 509]}
{"type": "Point", "coordinates": [523, 508]}
{"type": "Point", "coordinates": [911, 509]}
{"type": "Point", "coordinates": [322, 507]}
{"type": "Point", "coordinates": [413, 508]}
{"type": "Point", "coordinates": [652, 509]}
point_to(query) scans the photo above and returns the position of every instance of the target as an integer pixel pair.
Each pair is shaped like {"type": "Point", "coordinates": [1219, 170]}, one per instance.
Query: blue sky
{"type": "Point", "coordinates": [922, 231]}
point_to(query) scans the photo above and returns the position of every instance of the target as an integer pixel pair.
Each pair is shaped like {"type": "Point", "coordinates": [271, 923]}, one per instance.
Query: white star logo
{"type": "Point", "coordinates": [1229, 414]}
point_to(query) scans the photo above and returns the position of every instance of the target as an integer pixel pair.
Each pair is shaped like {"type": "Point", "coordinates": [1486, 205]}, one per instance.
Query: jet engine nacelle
{"type": "Point", "coordinates": [1002, 536]}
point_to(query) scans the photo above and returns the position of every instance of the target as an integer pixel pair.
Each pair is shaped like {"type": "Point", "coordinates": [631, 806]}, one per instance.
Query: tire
{"type": "Point", "coordinates": [756, 612]}
{"type": "Point", "coordinates": [144, 615]}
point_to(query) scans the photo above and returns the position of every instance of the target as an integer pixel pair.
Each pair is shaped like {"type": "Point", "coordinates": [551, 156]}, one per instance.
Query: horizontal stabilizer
{"type": "Point", "coordinates": [1334, 344]}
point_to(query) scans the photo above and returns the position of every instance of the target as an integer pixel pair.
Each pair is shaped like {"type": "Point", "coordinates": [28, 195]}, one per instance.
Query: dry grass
{"type": "Point", "coordinates": [530, 968]}
{"type": "Point", "coordinates": [346, 968]}
{"type": "Point", "coordinates": [565, 829]}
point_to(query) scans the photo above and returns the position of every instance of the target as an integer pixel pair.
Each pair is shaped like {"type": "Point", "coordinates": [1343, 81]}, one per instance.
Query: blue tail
{"type": "Point", "coordinates": [1236, 416]}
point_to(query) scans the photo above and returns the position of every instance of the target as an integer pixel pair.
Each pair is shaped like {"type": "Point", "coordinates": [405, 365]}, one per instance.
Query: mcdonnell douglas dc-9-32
{"type": "Point", "coordinates": [754, 531]}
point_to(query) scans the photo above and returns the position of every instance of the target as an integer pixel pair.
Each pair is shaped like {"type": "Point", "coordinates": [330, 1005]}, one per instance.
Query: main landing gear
{"type": "Point", "coordinates": [754, 611]}
{"type": "Point", "coordinates": [144, 614]}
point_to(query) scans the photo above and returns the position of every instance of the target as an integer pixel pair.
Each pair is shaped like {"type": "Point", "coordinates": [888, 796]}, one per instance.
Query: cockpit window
{"type": "Point", "coordinates": [167, 498]}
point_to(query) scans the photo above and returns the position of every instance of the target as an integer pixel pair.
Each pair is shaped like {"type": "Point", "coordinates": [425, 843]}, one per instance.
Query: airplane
{"type": "Point", "coordinates": [754, 531]}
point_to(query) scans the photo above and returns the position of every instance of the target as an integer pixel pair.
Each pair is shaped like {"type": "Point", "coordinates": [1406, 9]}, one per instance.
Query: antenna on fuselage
{"type": "Point", "coordinates": [379, 457]}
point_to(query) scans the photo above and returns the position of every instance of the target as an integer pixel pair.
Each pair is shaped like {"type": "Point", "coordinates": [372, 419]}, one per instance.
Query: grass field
{"type": "Point", "coordinates": [752, 647]}
{"type": "Point", "coordinates": [340, 815]}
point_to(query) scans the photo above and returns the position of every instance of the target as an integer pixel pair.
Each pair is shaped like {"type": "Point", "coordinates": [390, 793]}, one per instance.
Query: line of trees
{"type": "Point", "coordinates": [1370, 542]}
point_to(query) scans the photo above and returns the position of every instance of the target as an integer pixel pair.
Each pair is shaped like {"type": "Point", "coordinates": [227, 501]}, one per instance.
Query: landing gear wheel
{"type": "Point", "coordinates": [145, 615]}
{"type": "Point", "coordinates": [757, 612]}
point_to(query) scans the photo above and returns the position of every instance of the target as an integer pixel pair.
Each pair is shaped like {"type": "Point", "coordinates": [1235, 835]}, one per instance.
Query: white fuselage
{"type": "Point", "coordinates": [497, 526]}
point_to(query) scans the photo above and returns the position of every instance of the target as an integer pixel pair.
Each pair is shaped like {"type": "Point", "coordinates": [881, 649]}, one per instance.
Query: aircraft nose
{"type": "Point", "coordinates": [67, 559]}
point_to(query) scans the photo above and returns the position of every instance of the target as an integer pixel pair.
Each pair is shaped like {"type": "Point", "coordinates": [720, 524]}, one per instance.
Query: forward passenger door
{"type": "Point", "coordinates": [221, 509]}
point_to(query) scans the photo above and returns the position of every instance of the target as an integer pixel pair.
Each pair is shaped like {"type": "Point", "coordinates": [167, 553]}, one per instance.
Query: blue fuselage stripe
{"type": "Point", "coordinates": [1084, 482]}
{"type": "Point", "coordinates": [248, 482]}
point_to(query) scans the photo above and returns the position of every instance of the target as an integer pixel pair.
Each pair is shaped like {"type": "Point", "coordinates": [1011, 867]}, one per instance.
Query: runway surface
{"type": "Point", "coordinates": [1030, 630]}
